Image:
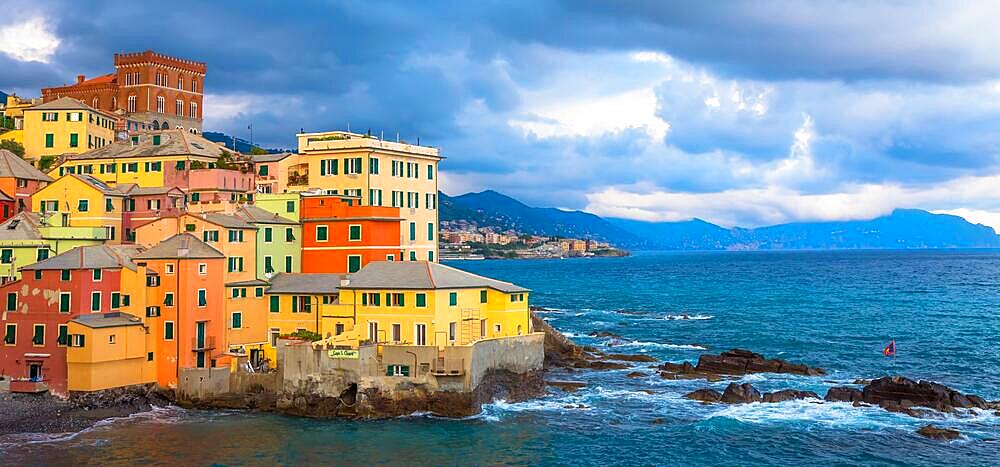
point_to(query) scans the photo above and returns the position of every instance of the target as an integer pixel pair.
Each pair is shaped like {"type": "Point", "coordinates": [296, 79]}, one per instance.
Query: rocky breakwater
{"type": "Point", "coordinates": [735, 362]}
{"type": "Point", "coordinates": [43, 413]}
{"type": "Point", "coordinates": [561, 352]}
{"type": "Point", "coordinates": [745, 393]}
{"type": "Point", "coordinates": [904, 395]}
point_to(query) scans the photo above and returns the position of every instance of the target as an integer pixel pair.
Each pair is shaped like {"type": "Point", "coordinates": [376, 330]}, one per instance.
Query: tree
{"type": "Point", "coordinates": [12, 146]}
{"type": "Point", "coordinates": [46, 162]}
{"type": "Point", "coordinates": [257, 151]}
{"type": "Point", "coordinates": [224, 160]}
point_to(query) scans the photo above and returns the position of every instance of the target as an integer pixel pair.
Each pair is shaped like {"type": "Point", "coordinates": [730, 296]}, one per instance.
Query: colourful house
{"type": "Point", "coordinates": [304, 302]}
{"type": "Point", "coordinates": [341, 236]}
{"type": "Point", "coordinates": [108, 350]}
{"type": "Point", "coordinates": [380, 173]}
{"type": "Point", "coordinates": [232, 235]}
{"type": "Point", "coordinates": [286, 205]}
{"type": "Point", "coordinates": [19, 180]}
{"type": "Point", "coordinates": [37, 310]}
{"type": "Point", "coordinates": [26, 238]}
{"type": "Point", "coordinates": [146, 204]}
{"type": "Point", "coordinates": [279, 241]}
{"type": "Point", "coordinates": [185, 314]}
{"type": "Point", "coordinates": [81, 201]}
{"type": "Point", "coordinates": [65, 126]}
{"type": "Point", "coordinates": [268, 169]}
{"type": "Point", "coordinates": [426, 303]}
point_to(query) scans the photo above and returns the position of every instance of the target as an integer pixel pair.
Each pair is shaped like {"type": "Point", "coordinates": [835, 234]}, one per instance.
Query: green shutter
{"type": "Point", "coordinates": [74, 140]}
{"type": "Point", "coordinates": [295, 304]}
{"type": "Point", "coordinates": [354, 232]}
{"type": "Point", "coordinates": [202, 297]}
{"type": "Point", "coordinates": [268, 234]}
{"type": "Point", "coordinates": [49, 140]}
{"type": "Point", "coordinates": [168, 330]}
{"type": "Point", "coordinates": [453, 298]}
{"type": "Point", "coordinates": [421, 300]}
{"type": "Point", "coordinates": [353, 263]}
{"type": "Point", "coordinates": [63, 334]}
{"type": "Point", "coordinates": [237, 320]}
{"type": "Point", "coordinates": [95, 301]}
{"type": "Point", "coordinates": [274, 303]}
{"type": "Point", "coordinates": [288, 264]}
{"type": "Point", "coordinates": [482, 296]}
{"type": "Point", "coordinates": [11, 301]}
{"type": "Point", "coordinates": [64, 303]}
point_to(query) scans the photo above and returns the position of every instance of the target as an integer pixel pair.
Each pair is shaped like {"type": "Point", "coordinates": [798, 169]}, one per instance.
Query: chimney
{"type": "Point", "coordinates": [344, 282]}
{"type": "Point", "coordinates": [80, 78]}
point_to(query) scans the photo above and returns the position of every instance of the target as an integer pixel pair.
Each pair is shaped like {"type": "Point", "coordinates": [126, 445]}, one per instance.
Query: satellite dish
{"type": "Point", "coordinates": [268, 275]}
{"type": "Point", "coordinates": [122, 135]}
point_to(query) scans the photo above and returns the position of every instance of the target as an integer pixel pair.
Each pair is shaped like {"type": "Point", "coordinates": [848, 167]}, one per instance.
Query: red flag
{"type": "Point", "coordinates": [890, 350]}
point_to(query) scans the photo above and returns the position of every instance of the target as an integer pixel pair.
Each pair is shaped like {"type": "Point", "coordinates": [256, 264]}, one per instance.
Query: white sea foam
{"type": "Point", "coordinates": [654, 345]}
{"type": "Point", "coordinates": [687, 317]}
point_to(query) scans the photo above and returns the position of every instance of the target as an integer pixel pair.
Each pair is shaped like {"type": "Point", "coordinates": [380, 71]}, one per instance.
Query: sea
{"type": "Point", "coordinates": [832, 309]}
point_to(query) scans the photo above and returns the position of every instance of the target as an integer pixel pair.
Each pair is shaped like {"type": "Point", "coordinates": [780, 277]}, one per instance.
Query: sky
{"type": "Point", "coordinates": [739, 113]}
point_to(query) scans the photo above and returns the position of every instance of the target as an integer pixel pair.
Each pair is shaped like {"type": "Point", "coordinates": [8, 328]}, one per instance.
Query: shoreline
{"type": "Point", "coordinates": [22, 414]}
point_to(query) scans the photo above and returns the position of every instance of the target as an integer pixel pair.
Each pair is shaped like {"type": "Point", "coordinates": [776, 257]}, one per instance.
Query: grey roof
{"type": "Point", "coordinates": [96, 183]}
{"type": "Point", "coordinates": [228, 221]}
{"type": "Point", "coordinates": [172, 143]}
{"type": "Point", "coordinates": [258, 158]}
{"type": "Point", "coordinates": [305, 283]}
{"type": "Point", "coordinates": [107, 320]}
{"type": "Point", "coordinates": [5, 197]}
{"type": "Point", "coordinates": [132, 189]}
{"type": "Point", "coordinates": [256, 215]}
{"type": "Point", "coordinates": [90, 257]}
{"type": "Point", "coordinates": [423, 275]}
{"type": "Point", "coordinates": [13, 166]}
{"type": "Point", "coordinates": [63, 103]}
{"type": "Point", "coordinates": [183, 245]}
{"type": "Point", "coordinates": [23, 226]}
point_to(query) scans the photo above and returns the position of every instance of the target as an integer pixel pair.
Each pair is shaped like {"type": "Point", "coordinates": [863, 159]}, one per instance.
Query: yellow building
{"type": "Point", "coordinates": [425, 303]}
{"type": "Point", "coordinates": [108, 350]}
{"type": "Point", "coordinates": [65, 126]}
{"type": "Point", "coordinates": [382, 173]}
{"type": "Point", "coordinates": [13, 110]}
{"type": "Point", "coordinates": [81, 201]}
{"type": "Point", "coordinates": [304, 302]}
{"type": "Point", "coordinates": [148, 159]}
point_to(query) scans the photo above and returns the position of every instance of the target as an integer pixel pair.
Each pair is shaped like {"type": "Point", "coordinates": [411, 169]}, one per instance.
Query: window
{"type": "Point", "coordinates": [413, 231]}
{"type": "Point", "coordinates": [6, 256]}
{"type": "Point", "coordinates": [195, 197]}
{"type": "Point", "coordinates": [430, 172]}
{"type": "Point", "coordinates": [49, 140]}
{"type": "Point", "coordinates": [395, 299]}
{"type": "Point", "coordinates": [109, 204]}
{"type": "Point", "coordinates": [169, 268]}
{"type": "Point", "coordinates": [430, 256]}
{"type": "Point", "coordinates": [289, 235]}
{"type": "Point", "coordinates": [10, 334]}
{"type": "Point", "coordinates": [290, 206]}
{"type": "Point", "coordinates": [11, 301]}
{"type": "Point", "coordinates": [288, 264]}
{"type": "Point", "coordinates": [116, 300]}
{"type": "Point", "coordinates": [38, 336]}
{"type": "Point", "coordinates": [149, 356]}
{"type": "Point", "coordinates": [268, 267]}
{"type": "Point", "coordinates": [179, 106]}
{"type": "Point", "coordinates": [352, 166]}
{"type": "Point", "coordinates": [328, 167]}
{"type": "Point", "coordinates": [237, 320]}
{"type": "Point", "coordinates": [210, 236]}
{"type": "Point", "coordinates": [168, 299]}
{"type": "Point", "coordinates": [354, 233]}
{"type": "Point", "coordinates": [482, 328]}
{"type": "Point", "coordinates": [373, 165]}
{"type": "Point", "coordinates": [482, 296]}
{"type": "Point", "coordinates": [111, 339]}
{"type": "Point", "coordinates": [168, 330]}
{"type": "Point", "coordinates": [74, 140]}
{"type": "Point", "coordinates": [374, 197]}
{"type": "Point", "coordinates": [321, 231]}
{"type": "Point", "coordinates": [373, 331]}
{"type": "Point", "coordinates": [160, 104]}
{"type": "Point", "coordinates": [38, 274]}
{"type": "Point", "coordinates": [421, 300]}
{"type": "Point", "coordinates": [430, 231]}
{"type": "Point", "coordinates": [63, 336]}
{"type": "Point", "coordinates": [156, 141]}
{"type": "Point", "coordinates": [338, 329]}
{"type": "Point", "coordinates": [268, 235]}
{"type": "Point", "coordinates": [452, 331]}
{"type": "Point", "coordinates": [152, 281]}
{"type": "Point", "coordinates": [202, 269]}
{"type": "Point", "coordinates": [95, 301]}
{"type": "Point", "coordinates": [274, 299]}
{"type": "Point", "coordinates": [64, 298]}
{"type": "Point", "coordinates": [194, 110]}
{"type": "Point", "coordinates": [131, 103]}
{"type": "Point", "coordinates": [413, 256]}
{"type": "Point", "coordinates": [353, 263]}
{"type": "Point", "coordinates": [202, 298]}
{"type": "Point", "coordinates": [390, 257]}
{"type": "Point", "coordinates": [396, 331]}
{"type": "Point", "coordinates": [98, 273]}
{"type": "Point", "coordinates": [50, 116]}
{"type": "Point", "coordinates": [152, 311]}
{"type": "Point", "coordinates": [258, 292]}
{"type": "Point", "coordinates": [453, 299]}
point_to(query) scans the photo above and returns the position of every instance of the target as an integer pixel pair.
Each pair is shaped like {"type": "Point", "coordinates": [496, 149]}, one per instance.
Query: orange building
{"type": "Point", "coordinates": [339, 236]}
{"type": "Point", "coordinates": [185, 314]}
{"type": "Point", "coordinates": [19, 180]}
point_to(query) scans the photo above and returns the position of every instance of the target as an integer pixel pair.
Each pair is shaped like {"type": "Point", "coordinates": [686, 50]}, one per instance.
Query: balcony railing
{"type": "Point", "coordinates": [205, 343]}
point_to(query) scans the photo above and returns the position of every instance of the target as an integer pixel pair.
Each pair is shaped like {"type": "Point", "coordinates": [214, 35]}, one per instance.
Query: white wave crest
{"type": "Point", "coordinates": [687, 317]}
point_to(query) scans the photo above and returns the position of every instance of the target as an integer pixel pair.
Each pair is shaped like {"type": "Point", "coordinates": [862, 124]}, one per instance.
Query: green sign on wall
{"type": "Point", "coordinates": [342, 353]}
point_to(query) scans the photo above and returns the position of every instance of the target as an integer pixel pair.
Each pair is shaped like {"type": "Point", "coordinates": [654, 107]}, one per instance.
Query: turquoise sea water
{"type": "Point", "coordinates": [836, 310]}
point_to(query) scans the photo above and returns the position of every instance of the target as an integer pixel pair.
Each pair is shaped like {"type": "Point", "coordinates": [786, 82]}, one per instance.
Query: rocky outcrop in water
{"type": "Point", "coordinates": [704, 395]}
{"type": "Point", "coordinates": [899, 394]}
{"type": "Point", "coordinates": [843, 394]}
{"type": "Point", "coordinates": [735, 362]}
{"type": "Point", "coordinates": [933, 432]}
{"type": "Point", "coordinates": [788, 395]}
{"type": "Point", "coordinates": [561, 352]}
{"type": "Point", "coordinates": [740, 394]}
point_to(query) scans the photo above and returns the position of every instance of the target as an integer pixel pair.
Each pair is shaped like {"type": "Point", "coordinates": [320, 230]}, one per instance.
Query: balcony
{"type": "Point", "coordinates": [203, 344]}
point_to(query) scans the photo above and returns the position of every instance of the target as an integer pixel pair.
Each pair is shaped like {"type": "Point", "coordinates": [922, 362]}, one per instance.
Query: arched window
{"type": "Point", "coordinates": [160, 104]}
{"type": "Point", "coordinates": [156, 125]}
{"type": "Point", "coordinates": [164, 126]}
{"type": "Point", "coordinates": [131, 103]}
{"type": "Point", "coordinates": [194, 85]}
{"type": "Point", "coordinates": [96, 103]}
{"type": "Point", "coordinates": [114, 102]}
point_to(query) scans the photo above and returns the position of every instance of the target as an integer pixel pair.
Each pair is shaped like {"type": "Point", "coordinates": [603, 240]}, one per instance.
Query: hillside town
{"type": "Point", "coordinates": [465, 240]}
{"type": "Point", "coordinates": [133, 251]}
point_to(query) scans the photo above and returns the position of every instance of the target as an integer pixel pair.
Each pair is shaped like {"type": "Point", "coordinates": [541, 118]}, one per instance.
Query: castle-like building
{"type": "Point", "coordinates": [148, 90]}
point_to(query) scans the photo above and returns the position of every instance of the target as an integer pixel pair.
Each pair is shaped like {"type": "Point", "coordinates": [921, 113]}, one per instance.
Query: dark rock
{"type": "Point", "coordinates": [861, 382]}
{"type": "Point", "coordinates": [737, 393]}
{"type": "Point", "coordinates": [843, 394]}
{"type": "Point", "coordinates": [704, 395]}
{"type": "Point", "coordinates": [787, 395]}
{"type": "Point", "coordinates": [977, 402]}
{"type": "Point", "coordinates": [560, 351]}
{"type": "Point", "coordinates": [903, 392]}
{"type": "Point", "coordinates": [567, 386]}
{"type": "Point", "coordinates": [630, 357]}
{"type": "Point", "coordinates": [636, 374]}
{"type": "Point", "coordinates": [741, 362]}
{"type": "Point", "coordinates": [933, 432]}
{"type": "Point", "coordinates": [657, 421]}
{"type": "Point", "coordinates": [605, 334]}
{"type": "Point", "coordinates": [602, 365]}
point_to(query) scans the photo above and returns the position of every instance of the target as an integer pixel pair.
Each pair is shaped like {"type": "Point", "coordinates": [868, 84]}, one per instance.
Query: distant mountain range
{"type": "Point", "coordinates": [242, 145]}
{"type": "Point", "coordinates": [903, 228]}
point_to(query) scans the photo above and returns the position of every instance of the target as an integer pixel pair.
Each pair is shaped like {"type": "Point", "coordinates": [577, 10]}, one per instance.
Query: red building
{"type": "Point", "coordinates": [147, 204]}
{"type": "Point", "coordinates": [18, 181]}
{"type": "Point", "coordinates": [340, 236]}
{"type": "Point", "coordinates": [37, 310]}
{"type": "Point", "coordinates": [152, 91]}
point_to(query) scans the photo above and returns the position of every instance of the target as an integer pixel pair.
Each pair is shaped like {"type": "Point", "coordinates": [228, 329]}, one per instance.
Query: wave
{"type": "Point", "coordinates": [164, 415]}
{"type": "Point", "coordinates": [653, 345]}
{"type": "Point", "coordinates": [686, 317]}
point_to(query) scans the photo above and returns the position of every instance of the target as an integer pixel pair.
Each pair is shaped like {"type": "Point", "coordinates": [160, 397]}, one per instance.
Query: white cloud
{"type": "Point", "coordinates": [31, 40]}
{"type": "Point", "coordinates": [974, 197]}
{"type": "Point", "coordinates": [596, 116]}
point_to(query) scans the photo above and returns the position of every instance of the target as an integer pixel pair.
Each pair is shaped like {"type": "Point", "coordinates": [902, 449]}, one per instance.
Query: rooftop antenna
{"type": "Point", "coordinates": [348, 127]}
{"type": "Point", "coordinates": [418, 141]}
{"type": "Point", "coordinates": [397, 136]}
